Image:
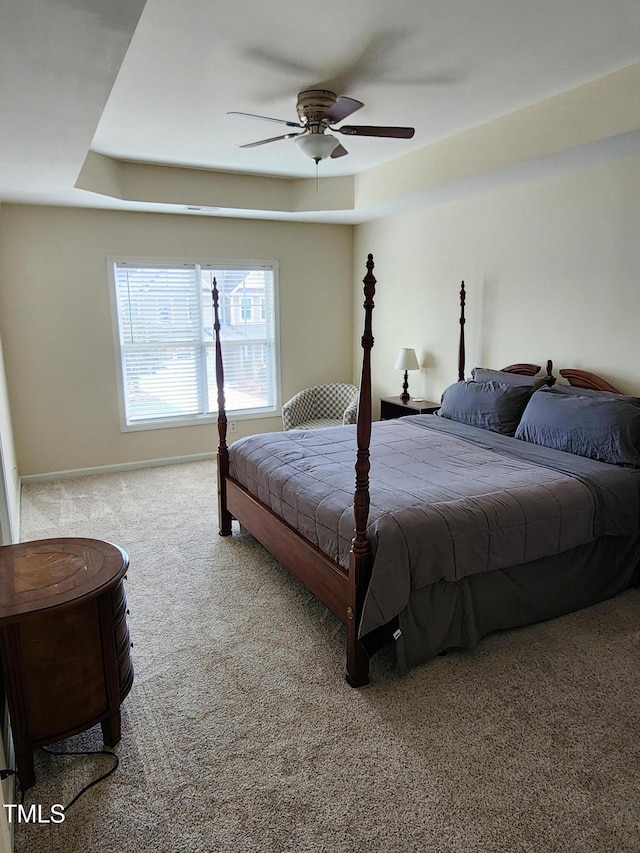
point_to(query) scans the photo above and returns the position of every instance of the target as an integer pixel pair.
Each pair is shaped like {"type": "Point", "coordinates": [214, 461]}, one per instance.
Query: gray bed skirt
{"type": "Point", "coordinates": [448, 615]}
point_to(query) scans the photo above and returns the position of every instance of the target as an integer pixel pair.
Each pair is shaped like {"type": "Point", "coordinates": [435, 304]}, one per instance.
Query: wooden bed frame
{"type": "Point", "coordinates": [585, 379]}
{"type": "Point", "coordinates": [342, 591]}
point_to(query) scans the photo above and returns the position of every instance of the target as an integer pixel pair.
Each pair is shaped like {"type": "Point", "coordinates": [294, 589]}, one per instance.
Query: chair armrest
{"type": "Point", "coordinates": [297, 409]}
{"type": "Point", "coordinates": [351, 413]}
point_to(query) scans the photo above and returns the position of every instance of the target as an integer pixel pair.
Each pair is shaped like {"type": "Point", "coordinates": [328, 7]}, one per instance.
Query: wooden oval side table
{"type": "Point", "coordinates": [64, 641]}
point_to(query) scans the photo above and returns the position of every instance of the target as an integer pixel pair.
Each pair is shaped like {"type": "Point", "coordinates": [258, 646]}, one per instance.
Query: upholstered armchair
{"type": "Point", "coordinates": [328, 405]}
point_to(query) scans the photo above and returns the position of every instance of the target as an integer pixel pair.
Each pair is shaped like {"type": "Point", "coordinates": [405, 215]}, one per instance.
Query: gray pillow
{"type": "Point", "coordinates": [606, 428]}
{"type": "Point", "coordinates": [575, 391]}
{"type": "Point", "coordinates": [484, 374]}
{"type": "Point", "coordinates": [495, 406]}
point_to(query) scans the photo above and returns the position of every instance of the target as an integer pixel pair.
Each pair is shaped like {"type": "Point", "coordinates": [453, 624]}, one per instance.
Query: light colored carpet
{"type": "Point", "coordinates": [240, 733]}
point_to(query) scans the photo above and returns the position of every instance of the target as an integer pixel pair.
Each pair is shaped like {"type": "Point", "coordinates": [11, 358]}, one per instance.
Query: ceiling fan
{"type": "Point", "coordinates": [318, 110]}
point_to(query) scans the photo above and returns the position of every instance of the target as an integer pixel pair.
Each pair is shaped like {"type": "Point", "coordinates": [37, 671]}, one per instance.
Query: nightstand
{"type": "Point", "coordinates": [64, 641]}
{"type": "Point", "coordinates": [395, 407]}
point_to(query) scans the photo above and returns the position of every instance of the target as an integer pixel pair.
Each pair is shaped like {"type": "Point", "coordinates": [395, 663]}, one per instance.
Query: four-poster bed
{"type": "Point", "coordinates": [452, 531]}
{"type": "Point", "coordinates": [341, 590]}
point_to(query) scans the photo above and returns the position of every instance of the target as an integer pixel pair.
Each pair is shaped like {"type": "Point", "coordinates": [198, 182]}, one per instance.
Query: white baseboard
{"type": "Point", "coordinates": [110, 469]}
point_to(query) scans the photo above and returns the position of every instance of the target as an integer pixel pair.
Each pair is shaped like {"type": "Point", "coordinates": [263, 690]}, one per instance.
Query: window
{"type": "Point", "coordinates": [166, 344]}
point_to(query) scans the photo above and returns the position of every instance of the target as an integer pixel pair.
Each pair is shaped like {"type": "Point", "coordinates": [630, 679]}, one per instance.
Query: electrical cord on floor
{"type": "Point", "coordinates": [95, 781]}
{"type": "Point", "coordinates": [6, 772]}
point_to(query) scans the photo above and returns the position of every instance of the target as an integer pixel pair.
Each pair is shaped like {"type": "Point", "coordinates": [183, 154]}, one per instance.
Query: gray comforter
{"type": "Point", "coordinates": [447, 500]}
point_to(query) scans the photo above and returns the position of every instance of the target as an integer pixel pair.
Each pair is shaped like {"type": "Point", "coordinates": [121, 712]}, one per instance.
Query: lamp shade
{"type": "Point", "coordinates": [407, 360]}
{"type": "Point", "coordinates": [316, 146]}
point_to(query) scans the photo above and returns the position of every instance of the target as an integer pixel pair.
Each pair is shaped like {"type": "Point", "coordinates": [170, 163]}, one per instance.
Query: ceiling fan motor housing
{"type": "Point", "coordinates": [312, 105]}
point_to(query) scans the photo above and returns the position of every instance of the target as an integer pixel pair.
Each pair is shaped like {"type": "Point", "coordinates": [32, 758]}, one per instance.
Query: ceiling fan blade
{"type": "Point", "coordinates": [339, 151]}
{"type": "Point", "coordinates": [373, 130]}
{"type": "Point", "coordinates": [280, 64]}
{"type": "Point", "coordinates": [266, 118]}
{"type": "Point", "coordinates": [342, 108]}
{"type": "Point", "coordinates": [272, 139]}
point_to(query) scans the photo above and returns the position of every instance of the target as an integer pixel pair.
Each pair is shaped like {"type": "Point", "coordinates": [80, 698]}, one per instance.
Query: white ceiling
{"type": "Point", "coordinates": [70, 81]}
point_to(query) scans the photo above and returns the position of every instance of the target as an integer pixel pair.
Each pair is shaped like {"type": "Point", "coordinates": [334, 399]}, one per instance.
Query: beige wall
{"type": "Point", "coordinates": [56, 326]}
{"type": "Point", "coordinates": [9, 476]}
{"type": "Point", "coordinates": [551, 269]}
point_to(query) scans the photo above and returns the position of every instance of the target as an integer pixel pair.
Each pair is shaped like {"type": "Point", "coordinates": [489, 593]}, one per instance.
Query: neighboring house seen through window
{"type": "Point", "coordinates": [166, 344]}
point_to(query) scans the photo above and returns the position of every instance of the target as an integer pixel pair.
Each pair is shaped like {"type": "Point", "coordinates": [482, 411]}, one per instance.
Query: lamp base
{"type": "Point", "coordinates": [405, 388]}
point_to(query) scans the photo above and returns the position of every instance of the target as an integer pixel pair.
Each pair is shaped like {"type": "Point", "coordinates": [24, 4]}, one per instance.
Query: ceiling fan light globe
{"type": "Point", "coordinates": [317, 146]}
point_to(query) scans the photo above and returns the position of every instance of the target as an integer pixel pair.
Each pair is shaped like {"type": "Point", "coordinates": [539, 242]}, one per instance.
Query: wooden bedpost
{"type": "Point", "coordinates": [224, 516]}
{"type": "Point", "coordinates": [461, 352]}
{"type": "Point", "coordinates": [360, 558]}
{"type": "Point", "coordinates": [551, 379]}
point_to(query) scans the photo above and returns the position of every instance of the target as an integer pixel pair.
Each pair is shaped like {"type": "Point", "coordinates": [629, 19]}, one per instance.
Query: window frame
{"type": "Point", "coordinates": [206, 262]}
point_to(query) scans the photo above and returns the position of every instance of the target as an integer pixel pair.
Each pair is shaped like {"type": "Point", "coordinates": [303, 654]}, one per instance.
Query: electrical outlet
{"type": "Point", "coordinates": [233, 426]}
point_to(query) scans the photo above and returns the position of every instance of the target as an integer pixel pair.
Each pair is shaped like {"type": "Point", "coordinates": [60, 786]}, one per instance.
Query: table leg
{"type": "Point", "coordinates": [111, 729]}
{"type": "Point", "coordinates": [24, 766]}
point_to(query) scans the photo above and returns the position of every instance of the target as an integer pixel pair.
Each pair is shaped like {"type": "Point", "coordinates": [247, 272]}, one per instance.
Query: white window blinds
{"type": "Point", "coordinates": [166, 344]}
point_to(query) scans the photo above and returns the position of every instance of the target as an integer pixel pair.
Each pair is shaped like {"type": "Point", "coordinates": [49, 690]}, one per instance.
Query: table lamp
{"type": "Point", "coordinates": [406, 361]}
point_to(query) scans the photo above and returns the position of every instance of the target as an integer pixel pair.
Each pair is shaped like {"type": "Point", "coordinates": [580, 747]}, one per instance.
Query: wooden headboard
{"type": "Point", "coordinates": [522, 369]}
{"type": "Point", "coordinates": [585, 379]}
{"type": "Point", "coordinates": [532, 370]}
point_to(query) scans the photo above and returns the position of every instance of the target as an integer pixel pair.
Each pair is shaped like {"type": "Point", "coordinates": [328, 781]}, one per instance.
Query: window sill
{"type": "Point", "coordinates": [198, 421]}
